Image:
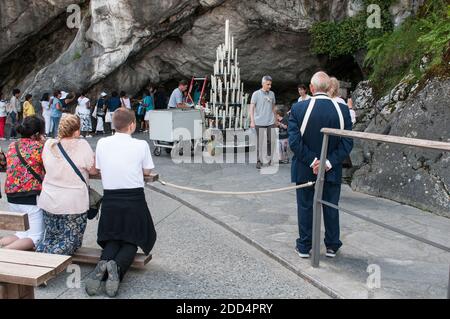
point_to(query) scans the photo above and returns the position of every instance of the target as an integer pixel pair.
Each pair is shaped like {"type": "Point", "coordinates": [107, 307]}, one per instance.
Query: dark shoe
{"type": "Point", "coordinates": [94, 280]}
{"type": "Point", "coordinates": [302, 255]}
{"type": "Point", "coordinates": [331, 253]}
{"type": "Point", "coordinates": [113, 282]}
{"type": "Point", "coordinates": [258, 165]}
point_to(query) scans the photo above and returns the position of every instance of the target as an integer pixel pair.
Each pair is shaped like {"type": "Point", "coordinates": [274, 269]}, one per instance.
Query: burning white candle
{"type": "Point", "coordinates": [227, 34]}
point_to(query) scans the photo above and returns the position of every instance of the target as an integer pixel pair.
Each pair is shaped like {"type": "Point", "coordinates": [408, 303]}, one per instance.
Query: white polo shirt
{"type": "Point", "coordinates": [121, 160]}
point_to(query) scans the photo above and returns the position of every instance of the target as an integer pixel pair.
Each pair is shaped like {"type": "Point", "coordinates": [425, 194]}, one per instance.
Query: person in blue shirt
{"type": "Point", "coordinates": [149, 105]}
{"type": "Point", "coordinates": [56, 109]}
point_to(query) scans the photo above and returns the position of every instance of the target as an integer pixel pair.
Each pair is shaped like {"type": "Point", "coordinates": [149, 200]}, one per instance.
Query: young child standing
{"type": "Point", "coordinates": [283, 142]}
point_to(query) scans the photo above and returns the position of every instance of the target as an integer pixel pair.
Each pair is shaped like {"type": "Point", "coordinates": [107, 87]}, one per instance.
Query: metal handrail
{"type": "Point", "coordinates": [318, 193]}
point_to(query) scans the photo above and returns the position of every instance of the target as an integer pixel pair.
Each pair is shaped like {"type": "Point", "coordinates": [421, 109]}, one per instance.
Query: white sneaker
{"type": "Point", "coordinates": [304, 256]}
{"type": "Point", "coordinates": [331, 253]}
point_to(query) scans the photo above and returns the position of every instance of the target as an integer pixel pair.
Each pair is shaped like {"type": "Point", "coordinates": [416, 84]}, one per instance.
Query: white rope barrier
{"type": "Point", "coordinates": [195, 190]}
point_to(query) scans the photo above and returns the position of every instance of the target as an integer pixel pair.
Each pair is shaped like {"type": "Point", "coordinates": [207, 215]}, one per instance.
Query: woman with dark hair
{"type": "Point", "coordinates": [46, 113]}
{"type": "Point", "coordinates": [24, 175]}
{"type": "Point", "coordinates": [3, 115]}
{"type": "Point", "coordinates": [149, 105]}
{"type": "Point", "coordinates": [28, 108]}
{"type": "Point", "coordinates": [125, 100]}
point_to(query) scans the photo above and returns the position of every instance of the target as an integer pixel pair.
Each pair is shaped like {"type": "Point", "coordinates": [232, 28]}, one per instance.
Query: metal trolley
{"type": "Point", "coordinates": [170, 129]}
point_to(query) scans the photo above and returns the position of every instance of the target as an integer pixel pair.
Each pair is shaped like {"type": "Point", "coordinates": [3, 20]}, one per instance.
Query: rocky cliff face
{"type": "Point", "coordinates": [410, 175]}
{"type": "Point", "coordinates": [125, 44]}
{"type": "Point", "coordinates": [128, 43]}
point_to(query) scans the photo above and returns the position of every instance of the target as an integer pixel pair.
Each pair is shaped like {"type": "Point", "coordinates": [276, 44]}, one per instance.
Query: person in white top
{"type": "Point", "coordinates": [84, 113]}
{"type": "Point", "coordinates": [46, 113]}
{"type": "Point", "coordinates": [303, 92]}
{"type": "Point", "coordinates": [352, 111]}
{"type": "Point", "coordinates": [334, 90]}
{"type": "Point", "coordinates": [125, 100]}
{"type": "Point", "coordinates": [125, 223]}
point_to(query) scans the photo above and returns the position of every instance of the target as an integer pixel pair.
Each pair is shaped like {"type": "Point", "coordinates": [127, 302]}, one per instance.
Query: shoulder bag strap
{"type": "Point", "coordinates": [27, 166]}
{"type": "Point", "coordinates": [71, 163]}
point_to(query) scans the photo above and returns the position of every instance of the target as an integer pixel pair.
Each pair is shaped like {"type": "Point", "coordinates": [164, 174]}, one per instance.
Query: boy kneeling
{"type": "Point", "coordinates": [125, 223]}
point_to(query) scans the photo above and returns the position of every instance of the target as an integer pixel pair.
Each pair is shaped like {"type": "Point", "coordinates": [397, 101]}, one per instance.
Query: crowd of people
{"type": "Point", "coordinates": [48, 167]}
{"type": "Point", "coordinates": [264, 116]}
{"type": "Point", "coordinates": [95, 113]}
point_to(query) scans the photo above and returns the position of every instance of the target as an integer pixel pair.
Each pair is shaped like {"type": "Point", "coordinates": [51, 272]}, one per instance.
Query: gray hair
{"type": "Point", "coordinates": [321, 81]}
{"type": "Point", "coordinates": [266, 78]}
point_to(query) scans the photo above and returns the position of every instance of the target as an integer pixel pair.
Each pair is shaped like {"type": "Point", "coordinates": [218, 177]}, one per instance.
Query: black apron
{"type": "Point", "coordinates": [125, 216]}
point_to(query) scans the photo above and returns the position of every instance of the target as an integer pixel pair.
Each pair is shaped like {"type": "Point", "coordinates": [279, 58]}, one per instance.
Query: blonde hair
{"type": "Point", "coordinates": [335, 87]}
{"type": "Point", "coordinates": [68, 125]}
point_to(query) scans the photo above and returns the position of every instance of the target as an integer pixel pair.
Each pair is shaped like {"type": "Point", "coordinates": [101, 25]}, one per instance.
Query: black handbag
{"type": "Point", "coordinates": [95, 199]}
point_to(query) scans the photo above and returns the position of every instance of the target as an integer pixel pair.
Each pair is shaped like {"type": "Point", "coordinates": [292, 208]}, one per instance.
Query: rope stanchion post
{"type": "Point", "coordinates": [317, 206]}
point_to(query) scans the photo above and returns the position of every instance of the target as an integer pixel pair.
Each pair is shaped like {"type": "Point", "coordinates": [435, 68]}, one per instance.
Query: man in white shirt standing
{"type": "Point", "coordinates": [262, 118]}
{"type": "Point", "coordinates": [125, 223]}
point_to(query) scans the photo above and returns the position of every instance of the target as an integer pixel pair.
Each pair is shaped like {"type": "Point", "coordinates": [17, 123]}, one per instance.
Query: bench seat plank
{"type": "Point", "coordinates": [14, 221]}
{"type": "Point", "coordinates": [57, 262]}
{"type": "Point", "coordinates": [92, 256]}
{"type": "Point", "coordinates": [24, 274]}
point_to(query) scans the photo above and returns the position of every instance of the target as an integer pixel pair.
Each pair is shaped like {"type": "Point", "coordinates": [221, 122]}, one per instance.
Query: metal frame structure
{"type": "Point", "coordinates": [318, 194]}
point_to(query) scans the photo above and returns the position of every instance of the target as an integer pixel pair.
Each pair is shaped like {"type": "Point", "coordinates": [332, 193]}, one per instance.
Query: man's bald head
{"type": "Point", "coordinates": [320, 82]}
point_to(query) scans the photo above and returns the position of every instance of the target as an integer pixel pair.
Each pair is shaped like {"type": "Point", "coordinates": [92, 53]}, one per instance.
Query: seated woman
{"type": "Point", "coordinates": [65, 197]}
{"type": "Point", "coordinates": [24, 175]}
{"type": "Point", "coordinates": [125, 223]}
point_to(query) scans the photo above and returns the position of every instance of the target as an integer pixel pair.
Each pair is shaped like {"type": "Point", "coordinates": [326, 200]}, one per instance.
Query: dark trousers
{"type": "Point", "coordinates": [122, 253]}
{"type": "Point", "coordinates": [14, 120]}
{"type": "Point", "coordinates": [264, 133]}
{"type": "Point", "coordinates": [305, 199]}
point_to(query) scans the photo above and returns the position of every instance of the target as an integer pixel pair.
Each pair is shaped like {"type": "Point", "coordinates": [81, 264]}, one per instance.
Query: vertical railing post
{"type": "Point", "coordinates": [317, 206]}
{"type": "Point", "coordinates": [448, 286]}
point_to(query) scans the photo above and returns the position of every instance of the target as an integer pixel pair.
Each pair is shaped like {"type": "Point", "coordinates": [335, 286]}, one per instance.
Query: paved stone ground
{"type": "Point", "coordinates": [197, 254]}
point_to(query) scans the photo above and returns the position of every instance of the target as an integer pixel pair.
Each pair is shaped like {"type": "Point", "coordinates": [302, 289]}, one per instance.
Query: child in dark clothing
{"type": "Point", "coordinates": [283, 143]}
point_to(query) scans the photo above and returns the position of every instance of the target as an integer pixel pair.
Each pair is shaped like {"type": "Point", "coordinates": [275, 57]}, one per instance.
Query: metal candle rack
{"type": "Point", "coordinates": [228, 106]}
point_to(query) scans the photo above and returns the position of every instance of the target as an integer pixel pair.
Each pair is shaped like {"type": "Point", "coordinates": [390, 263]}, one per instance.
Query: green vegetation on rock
{"type": "Point", "coordinates": [418, 47]}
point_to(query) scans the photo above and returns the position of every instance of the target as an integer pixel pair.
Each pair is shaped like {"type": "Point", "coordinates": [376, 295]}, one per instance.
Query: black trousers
{"type": "Point", "coordinates": [122, 253]}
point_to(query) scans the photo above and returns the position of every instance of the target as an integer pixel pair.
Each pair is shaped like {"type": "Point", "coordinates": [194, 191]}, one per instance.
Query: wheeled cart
{"type": "Point", "coordinates": [169, 129]}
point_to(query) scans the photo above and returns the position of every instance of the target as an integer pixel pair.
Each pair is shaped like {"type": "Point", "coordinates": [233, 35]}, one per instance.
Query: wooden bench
{"type": "Point", "coordinates": [21, 271]}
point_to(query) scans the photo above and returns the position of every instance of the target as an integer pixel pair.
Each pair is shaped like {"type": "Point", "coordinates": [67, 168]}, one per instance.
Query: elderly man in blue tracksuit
{"type": "Point", "coordinates": [305, 139]}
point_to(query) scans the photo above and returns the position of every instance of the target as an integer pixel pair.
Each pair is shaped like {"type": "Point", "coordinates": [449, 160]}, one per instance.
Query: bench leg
{"type": "Point", "coordinates": [12, 291]}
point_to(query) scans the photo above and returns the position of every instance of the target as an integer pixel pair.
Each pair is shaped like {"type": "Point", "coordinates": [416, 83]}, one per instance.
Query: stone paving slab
{"type": "Point", "coordinates": [194, 258]}
{"type": "Point", "coordinates": [409, 269]}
